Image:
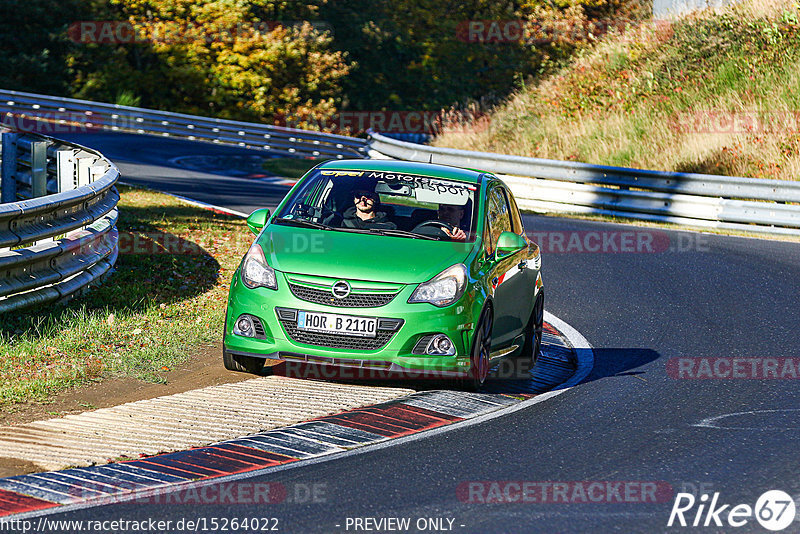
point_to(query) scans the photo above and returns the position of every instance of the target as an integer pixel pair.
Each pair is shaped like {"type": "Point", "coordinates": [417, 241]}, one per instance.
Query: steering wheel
{"type": "Point", "coordinates": [322, 214]}
{"type": "Point", "coordinates": [438, 228]}
{"type": "Point", "coordinates": [304, 210]}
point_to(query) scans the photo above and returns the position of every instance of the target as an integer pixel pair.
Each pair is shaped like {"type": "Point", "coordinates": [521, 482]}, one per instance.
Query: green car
{"type": "Point", "coordinates": [390, 266]}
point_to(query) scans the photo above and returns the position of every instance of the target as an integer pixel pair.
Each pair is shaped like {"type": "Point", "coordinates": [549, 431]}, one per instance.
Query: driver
{"type": "Point", "coordinates": [365, 213]}
{"type": "Point", "coordinates": [452, 215]}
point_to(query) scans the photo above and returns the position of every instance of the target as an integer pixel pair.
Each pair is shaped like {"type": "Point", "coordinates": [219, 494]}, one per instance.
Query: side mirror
{"type": "Point", "coordinates": [509, 243]}
{"type": "Point", "coordinates": [257, 220]}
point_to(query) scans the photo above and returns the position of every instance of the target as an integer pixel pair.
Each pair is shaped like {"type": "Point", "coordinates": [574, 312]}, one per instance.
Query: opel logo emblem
{"type": "Point", "coordinates": [340, 289]}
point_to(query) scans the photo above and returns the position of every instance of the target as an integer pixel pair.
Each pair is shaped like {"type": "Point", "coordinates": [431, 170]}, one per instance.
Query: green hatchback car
{"type": "Point", "coordinates": [389, 266]}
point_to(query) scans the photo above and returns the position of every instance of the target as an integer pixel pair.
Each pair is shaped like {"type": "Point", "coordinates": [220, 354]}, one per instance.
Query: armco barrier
{"type": "Point", "coordinates": [699, 200]}
{"type": "Point", "coordinates": [748, 204]}
{"type": "Point", "coordinates": [58, 217]}
{"type": "Point", "coordinates": [27, 111]}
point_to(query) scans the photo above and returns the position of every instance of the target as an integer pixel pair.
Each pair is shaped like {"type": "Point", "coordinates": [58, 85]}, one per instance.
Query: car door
{"type": "Point", "coordinates": [525, 279]}
{"type": "Point", "coordinates": [504, 271]}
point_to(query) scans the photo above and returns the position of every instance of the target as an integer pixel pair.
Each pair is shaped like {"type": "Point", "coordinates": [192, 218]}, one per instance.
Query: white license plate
{"type": "Point", "coordinates": [332, 323]}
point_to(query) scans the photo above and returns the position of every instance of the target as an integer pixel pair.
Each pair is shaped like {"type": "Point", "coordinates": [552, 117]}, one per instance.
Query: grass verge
{"type": "Point", "coordinates": [166, 298]}
{"type": "Point", "coordinates": [717, 92]}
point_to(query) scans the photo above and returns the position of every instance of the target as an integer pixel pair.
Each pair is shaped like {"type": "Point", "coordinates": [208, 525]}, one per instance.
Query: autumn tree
{"type": "Point", "coordinates": [212, 58]}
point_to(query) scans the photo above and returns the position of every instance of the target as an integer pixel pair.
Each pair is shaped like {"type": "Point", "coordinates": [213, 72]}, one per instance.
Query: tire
{"type": "Point", "coordinates": [242, 364]}
{"type": "Point", "coordinates": [481, 348]}
{"type": "Point", "coordinates": [533, 332]}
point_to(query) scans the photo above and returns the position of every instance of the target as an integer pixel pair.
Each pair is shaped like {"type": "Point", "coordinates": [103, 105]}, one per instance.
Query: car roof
{"type": "Point", "coordinates": [409, 167]}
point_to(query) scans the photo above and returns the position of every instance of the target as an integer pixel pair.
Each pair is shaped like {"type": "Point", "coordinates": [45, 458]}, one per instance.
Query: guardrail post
{"type": "Point", "coordinates": [8, 172]}
{"type": "Point", "coordinates": [65, 165]}
{"type": "Point", "coordinates": [85, 163]}
{"type": "Point", "coordinates": [96, 172]}
{"type": "Point", "coordinates": [39, 169]}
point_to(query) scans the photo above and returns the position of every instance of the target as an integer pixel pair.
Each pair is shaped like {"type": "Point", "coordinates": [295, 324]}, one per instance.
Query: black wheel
{"type": "Point", "coordinates": [533, 332]}
{"type": "Point", "coordinates": [481, 348]}
{"type": "Point", "coordinates": [242, 364]}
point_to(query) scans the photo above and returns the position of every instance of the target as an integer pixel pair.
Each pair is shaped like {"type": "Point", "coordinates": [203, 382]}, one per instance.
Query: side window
{"type": "Point", "coordinates": [498, 217]}
{"type": "Point", "coordinates": [516, 218]}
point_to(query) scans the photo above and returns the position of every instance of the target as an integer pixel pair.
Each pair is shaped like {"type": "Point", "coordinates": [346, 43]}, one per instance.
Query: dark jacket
{"type": "Point", "coordinates": [380, 221]}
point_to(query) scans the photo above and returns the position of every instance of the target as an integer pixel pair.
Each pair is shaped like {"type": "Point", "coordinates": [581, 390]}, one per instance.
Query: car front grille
{"type": "Point", "coordinates": [422, 344]}
{"type": "Point", "coordinates": [259, 328]}
{"type": "Point", "coordinates": [336, 341]}
{"type": "Point", "coordinates": [353, 300]}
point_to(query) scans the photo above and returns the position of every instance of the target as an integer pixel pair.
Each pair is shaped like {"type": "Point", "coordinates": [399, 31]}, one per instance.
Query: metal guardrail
{"type": "Point", "coordinates": [757, 205]}
{"type": "Point", "coordinates": [58, 217]}
{"type": "Point", "coordinates": [17, 107]}
{"type": "Point", "coordinates": [745, 204]}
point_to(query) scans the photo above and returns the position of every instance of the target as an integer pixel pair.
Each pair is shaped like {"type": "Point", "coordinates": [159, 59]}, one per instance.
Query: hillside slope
{"type": "Point", "coordinates": [715, 92]}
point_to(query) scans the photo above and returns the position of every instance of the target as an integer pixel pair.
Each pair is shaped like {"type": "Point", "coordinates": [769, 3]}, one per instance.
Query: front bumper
{"type": "Point", "coordinates": [280, 341]}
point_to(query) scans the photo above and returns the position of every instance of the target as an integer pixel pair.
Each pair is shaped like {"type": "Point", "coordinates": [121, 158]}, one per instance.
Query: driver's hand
{"type": "Point", "coordinates": [458, 234]}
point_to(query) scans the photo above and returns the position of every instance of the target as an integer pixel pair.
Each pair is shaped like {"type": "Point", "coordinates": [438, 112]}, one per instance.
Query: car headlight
{"type": "Point", "coordinates": [244, 326]}
{"type": "Point", "coordinates": [256, 272]}
{"type": "Point", "coordinates": [440, 345]}
{"type": "Point", "coordinates": [443, 289]}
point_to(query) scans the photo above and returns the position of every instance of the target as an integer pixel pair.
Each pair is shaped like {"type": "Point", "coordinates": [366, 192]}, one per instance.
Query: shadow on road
{"type": "Point", "coordinates": [620, 362]}
{"type": "Point", "coordinates": [510, 377]}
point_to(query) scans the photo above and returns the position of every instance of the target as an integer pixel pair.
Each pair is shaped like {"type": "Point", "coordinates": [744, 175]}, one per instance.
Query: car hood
{"type": "Point", "coordinates": [358, 256]}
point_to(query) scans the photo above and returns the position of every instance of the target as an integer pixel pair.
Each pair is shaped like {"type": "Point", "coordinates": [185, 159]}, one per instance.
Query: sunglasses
{"type": "Point", "coordinates": [369, 195]}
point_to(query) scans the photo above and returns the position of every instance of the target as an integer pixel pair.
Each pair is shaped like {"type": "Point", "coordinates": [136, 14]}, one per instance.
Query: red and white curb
{"type": "Point", "coordinates": [209, 207]}
{"type": "Point", "coordinates": [357, 431]}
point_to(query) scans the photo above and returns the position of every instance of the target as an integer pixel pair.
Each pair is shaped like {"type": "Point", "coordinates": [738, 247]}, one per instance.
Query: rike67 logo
{"type": "Point", "coordinates": [774, 510]}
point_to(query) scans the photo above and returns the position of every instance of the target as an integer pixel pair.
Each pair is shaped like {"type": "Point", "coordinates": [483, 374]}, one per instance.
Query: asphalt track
{"type": "Point", "coordinates": [690, 296]}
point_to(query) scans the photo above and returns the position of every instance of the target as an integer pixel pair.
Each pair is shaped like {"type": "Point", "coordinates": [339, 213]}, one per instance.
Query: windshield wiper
{"type": "Point", "coordinates": [402, 233]}
{"type": "Point", "coordinates": [353, 230]}
{"type": "Point", "coordinates": [302, 223]}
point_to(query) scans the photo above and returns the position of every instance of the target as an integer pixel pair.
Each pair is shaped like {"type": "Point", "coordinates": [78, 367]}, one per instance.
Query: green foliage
{"type": "Point", "coordinates": [413, 54]}
{"type": "Point", "coordinates": [34, 44]}
{"type": "Point", "coordinates": [127, 98]}
{"type": "Point", "coordinates": [214, 58]}
{"type": "Point", "coordinates": [715, 92]}
{"type": "Point", "coordinates": [257, 60]}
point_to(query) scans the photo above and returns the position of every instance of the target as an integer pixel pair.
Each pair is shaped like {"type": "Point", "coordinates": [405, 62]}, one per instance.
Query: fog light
{"type": "Point", "coordinates": [440, 345]}
{"type": "Point", "coordinates": [244, 327]}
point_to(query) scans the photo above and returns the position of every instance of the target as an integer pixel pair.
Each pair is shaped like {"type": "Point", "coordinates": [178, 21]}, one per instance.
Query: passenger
{"type": "Point", "coordinates": [365, 214]}
{"type": "Point", "coordinates": [452, 215]}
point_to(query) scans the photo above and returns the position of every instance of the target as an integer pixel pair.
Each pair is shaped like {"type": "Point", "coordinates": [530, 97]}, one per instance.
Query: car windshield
{"type": "Point", "coordinates": [386, 203]}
